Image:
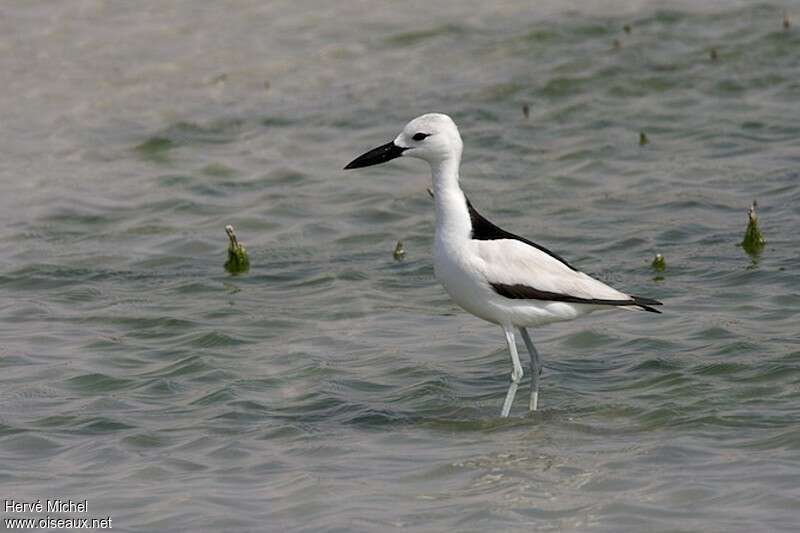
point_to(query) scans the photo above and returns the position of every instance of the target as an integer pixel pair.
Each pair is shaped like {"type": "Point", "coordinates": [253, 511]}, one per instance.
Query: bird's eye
{"type": "Point", "coordinates": [420, 136]}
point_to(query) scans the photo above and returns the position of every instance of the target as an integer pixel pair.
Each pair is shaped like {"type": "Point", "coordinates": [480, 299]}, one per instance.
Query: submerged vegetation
{"type": "Point", "coordinates": [399, 251]}
{"type": "Point", "coordinates": [659, 264]}
{"type": "Point", "coordinates": [238, 261]}
{"type": "Point", "coordinates": [753, 242]}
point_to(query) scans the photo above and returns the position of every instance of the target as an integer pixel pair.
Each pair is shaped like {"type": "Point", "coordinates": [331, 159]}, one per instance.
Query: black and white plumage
{"type": "Point", "coordinates": [483, 230]}
{"type": "Point", "coordinates": [492, 273]}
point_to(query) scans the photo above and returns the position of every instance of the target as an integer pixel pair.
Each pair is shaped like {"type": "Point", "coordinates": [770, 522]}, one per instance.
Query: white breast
{"type": "Point", "coordinates": [456, 269]}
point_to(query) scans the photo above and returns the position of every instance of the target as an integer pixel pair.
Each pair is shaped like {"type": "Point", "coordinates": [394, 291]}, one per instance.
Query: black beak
{"type": "Point", "coordinates": [378, 155]}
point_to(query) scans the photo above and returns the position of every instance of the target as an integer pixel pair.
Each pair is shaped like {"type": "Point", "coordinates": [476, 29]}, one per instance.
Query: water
{"type": "Point", "coordinates": [333, 388]}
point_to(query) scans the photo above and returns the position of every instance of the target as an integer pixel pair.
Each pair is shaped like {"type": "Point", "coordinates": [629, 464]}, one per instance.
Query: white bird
{"type": "Point", "coordinates": [491, 273]}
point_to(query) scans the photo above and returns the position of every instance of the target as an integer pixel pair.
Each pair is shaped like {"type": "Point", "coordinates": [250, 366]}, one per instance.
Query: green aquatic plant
{"type": "Point", "coordinates": [155, 149]}
{"type": "Point", "coordinates": [238, 261]}
{"type": "Point", "coordinates": [399, 251]}
{"type": "Point", "coordinates": [643, 139]}
{"type": "Point", "coordinates": [753, 242]}
{"type": "Point", "coordinates": [659, 264]}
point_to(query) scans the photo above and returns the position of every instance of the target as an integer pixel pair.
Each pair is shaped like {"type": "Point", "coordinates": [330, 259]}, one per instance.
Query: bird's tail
{"type": "Point", "coordinates": [645, 304]}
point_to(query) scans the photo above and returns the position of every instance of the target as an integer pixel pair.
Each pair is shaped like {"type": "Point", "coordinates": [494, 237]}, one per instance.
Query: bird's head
{"type": "Point", "coordinates": [432, 137]}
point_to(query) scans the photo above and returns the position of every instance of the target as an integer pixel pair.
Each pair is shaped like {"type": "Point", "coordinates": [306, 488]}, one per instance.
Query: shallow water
{"type": "Point", "coordinates": [333, 388]}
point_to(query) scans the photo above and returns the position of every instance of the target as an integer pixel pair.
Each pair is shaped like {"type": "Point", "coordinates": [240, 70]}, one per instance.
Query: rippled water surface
{"type": "Point", "coordinates": [333, 388]}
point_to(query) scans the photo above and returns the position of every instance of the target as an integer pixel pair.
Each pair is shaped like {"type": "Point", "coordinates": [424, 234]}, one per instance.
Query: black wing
{"type": "Point", "coordinates": [524, 292]}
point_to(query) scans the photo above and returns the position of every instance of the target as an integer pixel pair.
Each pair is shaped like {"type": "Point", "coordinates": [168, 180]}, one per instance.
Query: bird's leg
{"type": "Point", "coordinates": [536, 369]}
{"type": "Point", "coordinates": [516, 371]}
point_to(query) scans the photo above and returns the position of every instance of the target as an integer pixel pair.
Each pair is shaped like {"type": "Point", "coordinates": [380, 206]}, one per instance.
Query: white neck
{"type": "Point", "coordinates": [452, 215]}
